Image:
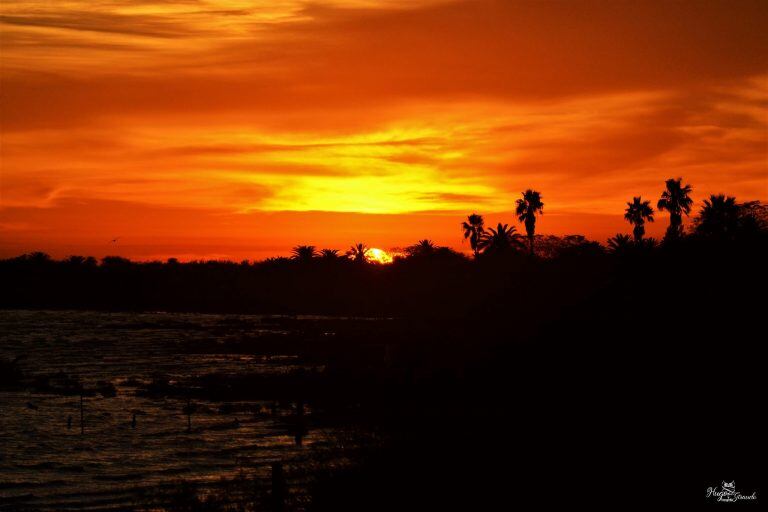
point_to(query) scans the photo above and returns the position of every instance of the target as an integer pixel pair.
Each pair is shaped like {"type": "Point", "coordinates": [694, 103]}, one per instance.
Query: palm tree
{"type": "Point", "coordinates": [303, 252]}
{"type": "Point", "coordinates": [357, 252]}
{"type": "Point", "coordinates": [501, 239]}
{"type": "Point", "coordinates": [473, 229]}
{"type": "Point", "coordinates": [526, 211]}
{"type": "Point", "coordinates": [637, 213]}
{"type": "Point", "coordinates": [619, 243]}
{"type": "Point", "coordinates": [719, 216]}
{"type": "Point", "coordinates": [675, 199]}
{"type": "Point", "coordinates": [329, 254]}
{"type": "Point", "coordinates": [423, 247]}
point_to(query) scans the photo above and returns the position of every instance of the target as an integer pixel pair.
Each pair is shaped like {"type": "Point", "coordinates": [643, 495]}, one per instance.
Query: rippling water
{"type": "Point", "coordinates": [46, 465]}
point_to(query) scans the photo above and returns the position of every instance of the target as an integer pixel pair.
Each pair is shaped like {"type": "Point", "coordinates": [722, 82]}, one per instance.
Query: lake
{"type": "Point", "coordinates": [134, 443]}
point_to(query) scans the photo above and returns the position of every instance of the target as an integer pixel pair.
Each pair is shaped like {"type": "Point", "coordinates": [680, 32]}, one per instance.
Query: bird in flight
{"type": "Point", "coordinates": [114, 240]}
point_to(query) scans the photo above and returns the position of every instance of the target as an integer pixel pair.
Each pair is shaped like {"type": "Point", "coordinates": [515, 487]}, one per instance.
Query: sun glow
{"type": "Point", "coordinates": [375, 255]}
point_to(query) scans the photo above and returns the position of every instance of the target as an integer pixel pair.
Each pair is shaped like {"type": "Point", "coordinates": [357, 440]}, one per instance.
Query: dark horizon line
{"type": "Point", "coordinates": [341, 256]}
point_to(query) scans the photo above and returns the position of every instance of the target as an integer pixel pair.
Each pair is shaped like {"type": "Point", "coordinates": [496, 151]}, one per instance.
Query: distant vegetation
{"type": "Point", "coordinates": [423, 279]}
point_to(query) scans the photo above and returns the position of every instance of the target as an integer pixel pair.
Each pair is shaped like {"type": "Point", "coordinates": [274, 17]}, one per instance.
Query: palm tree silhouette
{"type": "Point", "coordinates": [719, 217]}
{"type": "Point", "coordinates": [501, 239]}
{"type": "Point", "coordinates": [675, 199]}
{"type": "Point", "coordinates": [423, 247]}
{"type": "Point", "coordinates": [637, 213]}
{"type": "Point", "coordinates": [329, 254]}
{"type": "Point", "coordinates": [526, 211]}
{"type": "Point", "coordinates": [619, 243]}
{"type": "Point", "coordinates": [473, 229]}
{"type": "Point", "coordinates": [357, 252]}
{"type": "Point", "coordinates": [303, 252]}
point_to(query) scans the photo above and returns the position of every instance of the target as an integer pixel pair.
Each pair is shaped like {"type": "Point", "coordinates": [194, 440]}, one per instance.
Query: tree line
{"type": "Point", "coordinates": [721, 218]}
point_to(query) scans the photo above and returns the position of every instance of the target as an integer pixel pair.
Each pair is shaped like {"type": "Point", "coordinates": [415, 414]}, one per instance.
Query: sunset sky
{"type": "Point", "coordinates": [237, 129]}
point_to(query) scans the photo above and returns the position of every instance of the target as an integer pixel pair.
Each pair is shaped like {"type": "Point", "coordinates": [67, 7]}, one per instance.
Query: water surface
{"type": "Point", "coordinates": [46, 465]}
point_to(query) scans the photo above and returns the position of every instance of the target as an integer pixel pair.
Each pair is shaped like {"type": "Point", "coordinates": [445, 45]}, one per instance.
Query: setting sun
{"type": "Point", "coordinates": [375, 255]}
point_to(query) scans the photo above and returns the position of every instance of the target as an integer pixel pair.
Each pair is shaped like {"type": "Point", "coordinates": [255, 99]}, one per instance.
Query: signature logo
{"type": "Point", "coordinates": [727, 493]}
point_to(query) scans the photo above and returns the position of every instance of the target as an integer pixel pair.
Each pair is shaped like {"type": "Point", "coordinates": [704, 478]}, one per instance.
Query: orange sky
{"type": "Point", "coordinates": [237, 129]}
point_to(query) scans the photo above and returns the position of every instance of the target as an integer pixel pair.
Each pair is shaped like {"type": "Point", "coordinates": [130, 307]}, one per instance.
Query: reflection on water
{"type": "Point", "coordinates": [133, 443]}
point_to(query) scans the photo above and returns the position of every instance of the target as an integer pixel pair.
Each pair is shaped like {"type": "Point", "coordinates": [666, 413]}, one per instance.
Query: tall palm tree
{"type": "Point", "coordinates": [357, 252]}
{"type": "Point", "coordinates": [637, 213]}
{"type": "Point", "coordinates": [719, 216]}
{"type": "Point", "coordinates": [676, 200]}
{"type": "Point", "coordinates": [303, 252]}
{"type": "Point", "coordinates": [526, 211]}
{"type": "Point", "coordinates": [502, 239]}
{"type": "Point", "coordinates": [473, 229]}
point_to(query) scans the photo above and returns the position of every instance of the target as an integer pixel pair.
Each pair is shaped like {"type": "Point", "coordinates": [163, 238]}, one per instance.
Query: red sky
{"type": "Point", "coordinates": [237, 129]}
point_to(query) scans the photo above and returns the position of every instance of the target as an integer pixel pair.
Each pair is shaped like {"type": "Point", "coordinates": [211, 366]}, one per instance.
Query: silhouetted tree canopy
{"type": "Point", "coordinates": [638, 212]}
{"type": "Point", "coordinates": [526, 209]}
{"type": "Point", "coordinates": [329, 254]}
{"type": "Point", "coordinates": [304, 252]}
{"type": "Point", "coordinates": [358, 252]}
{"type": "Point", "coordinates": [503, 239]}
{"type": "Point", "coordinates": [676, 200]}
{"type": "Point", "coordinates": [474, 229]}
{"type": "Point", "coordinates": [722, 217]}
{"type": "Point", "coordinates": [425, 279]}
